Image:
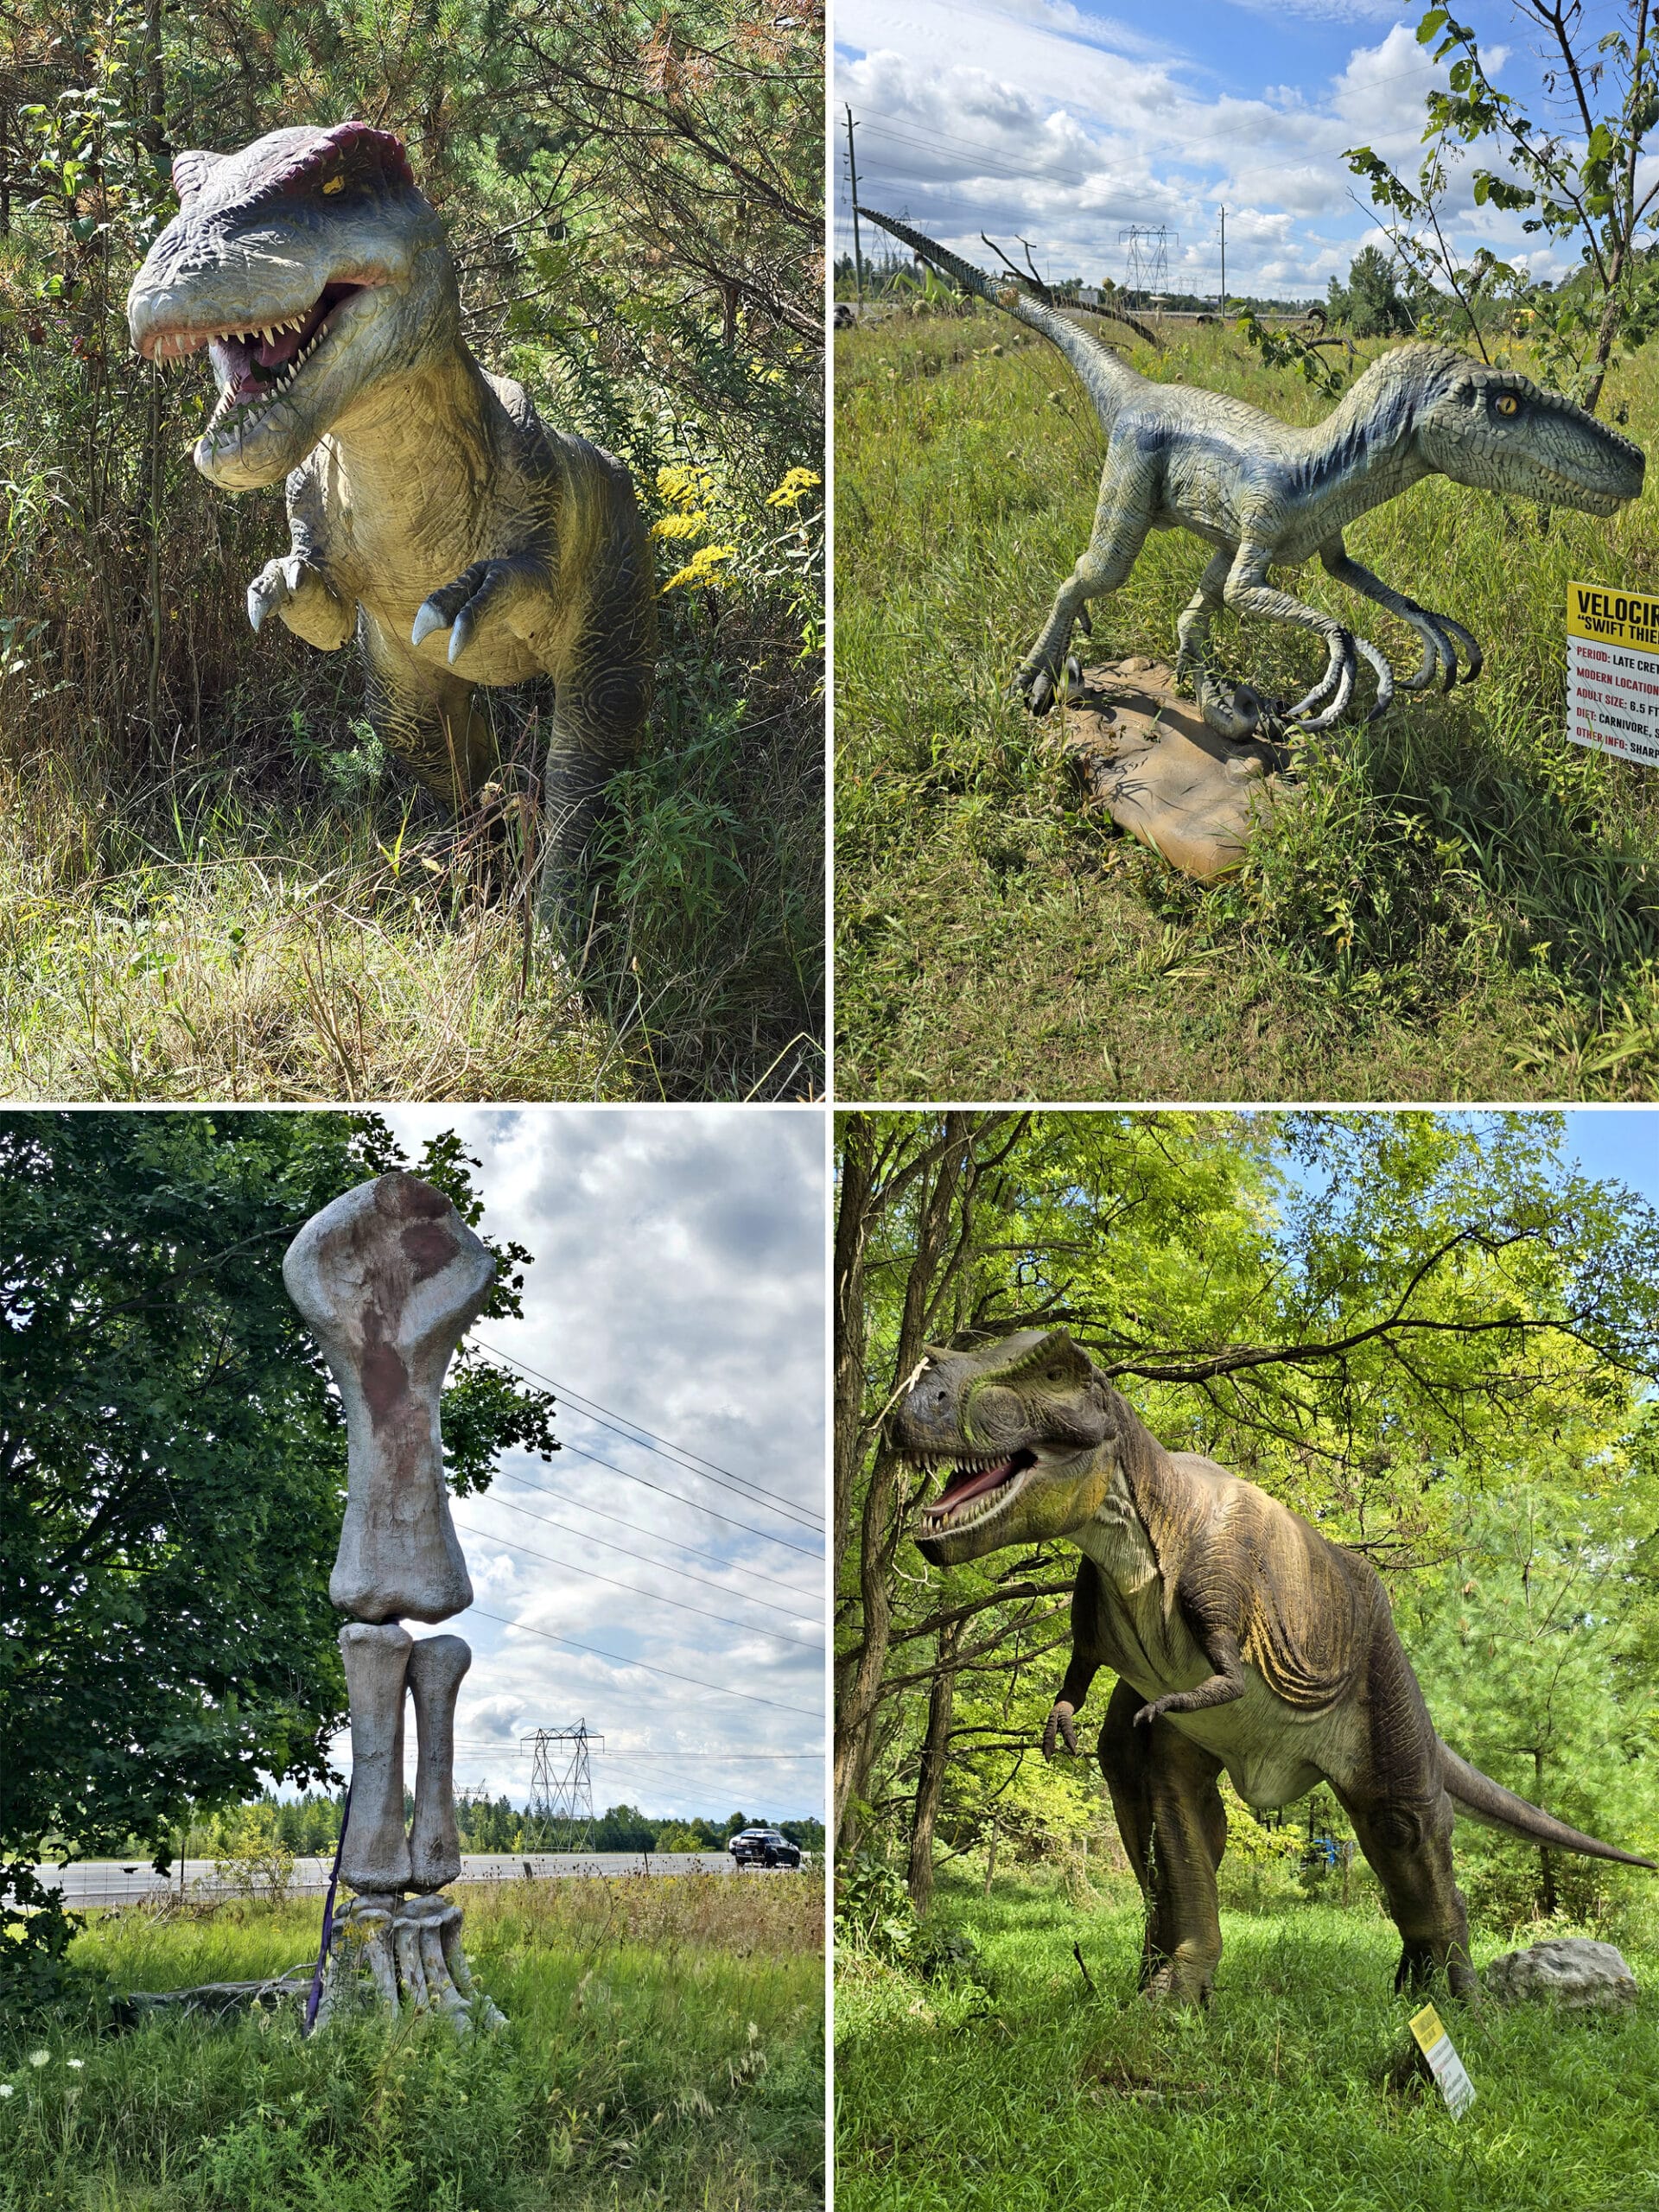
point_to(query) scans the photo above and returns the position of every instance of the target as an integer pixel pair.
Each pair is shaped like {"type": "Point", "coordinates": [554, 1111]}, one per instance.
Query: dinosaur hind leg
{"type": "Point", "coordinates": [1174, 1829]}
{"type": "Point", "coordinates": [1408, 1841]}
{"type": "Point", "coordinates": [1235, 713]}
{"type": "Point", "coordinates": [430, 718]}
{"type": "Point", "coordinates": [1122, 521]}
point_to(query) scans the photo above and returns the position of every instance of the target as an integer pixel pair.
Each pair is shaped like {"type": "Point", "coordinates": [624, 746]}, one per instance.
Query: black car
{"type": "Point", "coordinates": [764, 1847]}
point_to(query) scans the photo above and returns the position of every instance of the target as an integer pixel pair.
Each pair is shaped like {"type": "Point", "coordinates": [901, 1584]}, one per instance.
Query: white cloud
{"type": "Point", "coordinates": [1067, 131]}
{"type": "Point", "coordinates": [679, 1281]}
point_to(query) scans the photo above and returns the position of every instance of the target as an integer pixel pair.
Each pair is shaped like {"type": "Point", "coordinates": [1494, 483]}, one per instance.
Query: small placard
{"type": "Point", "coordinates": [1443, 2061]}
{"type": "Point", "coordinates": [1613, 670]}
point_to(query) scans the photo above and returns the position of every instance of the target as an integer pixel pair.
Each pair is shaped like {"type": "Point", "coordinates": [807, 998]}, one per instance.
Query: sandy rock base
{"type": "Point", "coordinates": [1147, 756]}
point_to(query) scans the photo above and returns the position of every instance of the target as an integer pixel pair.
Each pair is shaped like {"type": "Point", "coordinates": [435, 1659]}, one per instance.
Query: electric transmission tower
{"type": "Point", "coordinates": [561, 1783]}
{"type": "Point", "coordinates": [1145, 268]}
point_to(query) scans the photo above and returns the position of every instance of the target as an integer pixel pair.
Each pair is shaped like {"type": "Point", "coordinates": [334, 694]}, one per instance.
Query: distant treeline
{"type": "Point", "coordinates": [309, 1828]}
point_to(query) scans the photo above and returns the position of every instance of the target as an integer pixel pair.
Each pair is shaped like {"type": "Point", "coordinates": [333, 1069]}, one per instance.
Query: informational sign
{"type": "Point", "coordinates": [1443, 2061]}
{"type": "Point", "coordinates": [1613, 670]}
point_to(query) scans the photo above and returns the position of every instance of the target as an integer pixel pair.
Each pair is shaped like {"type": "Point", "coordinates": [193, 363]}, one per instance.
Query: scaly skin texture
{"type": "Point", "coordinates": [434, 515]}
{"type": "Point", "coordinates": [1266, 495]}
{"type": "Point", "coordinates": [1241, 1639]}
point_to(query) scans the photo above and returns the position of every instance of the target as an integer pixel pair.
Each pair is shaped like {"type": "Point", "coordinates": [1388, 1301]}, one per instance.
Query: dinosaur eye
{"type": "Point", "coordinates": [1509, 404]}
{"type": "Point", "coordinates": [1056, 1374]}
{"type": "Point", "coordinates": [338, 184]}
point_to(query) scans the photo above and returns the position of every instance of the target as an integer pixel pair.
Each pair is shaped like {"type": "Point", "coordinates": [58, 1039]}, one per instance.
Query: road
{"type": "Point", "coordinates": [110, 1881]}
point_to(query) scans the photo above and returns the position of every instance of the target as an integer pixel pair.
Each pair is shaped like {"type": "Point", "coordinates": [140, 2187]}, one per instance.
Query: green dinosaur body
{"type": "Point", "coordinates": [1242, 1641]}
{"type": "Point", "coordinates": [434, 516]}
{"type": "Point", "coordinates": [1264, 494]}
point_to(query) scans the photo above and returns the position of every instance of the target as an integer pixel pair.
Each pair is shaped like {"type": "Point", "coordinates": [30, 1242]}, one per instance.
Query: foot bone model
{"type": "Point", "coordinates": [434, 515]}
{"type": "Point", "coordinates": [1266, 495]}
{"type": "Point", "coordinates": [388, 1279]}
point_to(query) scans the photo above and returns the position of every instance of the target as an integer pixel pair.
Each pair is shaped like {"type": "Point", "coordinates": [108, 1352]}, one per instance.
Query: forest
{"type": "Point", "coordinates": [214, 879]}
{"type": "Point", "coordinates": [1429, 1334]}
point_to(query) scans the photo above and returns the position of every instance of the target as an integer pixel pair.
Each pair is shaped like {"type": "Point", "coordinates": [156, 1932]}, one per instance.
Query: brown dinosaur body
{"type": "Point", "coordinates": [1242, 1640]}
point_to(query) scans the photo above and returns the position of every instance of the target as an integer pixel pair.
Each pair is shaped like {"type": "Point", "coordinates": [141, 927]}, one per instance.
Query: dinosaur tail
{"type": "Point", "coordinates": [1107, 380]}
{"type": "Point", "coordinates": [1479, 1798]}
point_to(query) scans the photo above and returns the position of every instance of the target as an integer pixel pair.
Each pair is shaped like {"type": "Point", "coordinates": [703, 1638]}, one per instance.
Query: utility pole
{"type": "Point", "coordinates": [1224, 269]}
{"type": "Point", "coordinates": [852, 171]}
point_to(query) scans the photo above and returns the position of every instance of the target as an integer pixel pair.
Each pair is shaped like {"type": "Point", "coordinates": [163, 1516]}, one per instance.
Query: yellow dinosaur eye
{"type": "Point", "coordinates": [338, 184]}
{"type": "Point", "coordinates": [1508, 405]}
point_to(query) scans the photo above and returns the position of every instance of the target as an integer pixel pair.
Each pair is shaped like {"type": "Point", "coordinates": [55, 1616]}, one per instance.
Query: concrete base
{"type": "Point", "coordinates": [391, 1953]}
{"type": "Point", "coordinates": [1147, 757]}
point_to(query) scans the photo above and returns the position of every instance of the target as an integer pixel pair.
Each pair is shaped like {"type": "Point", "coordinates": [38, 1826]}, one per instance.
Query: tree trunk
{"type": "Point", "coordinates": [991, 1860]}
{"type": "Point", "coordinates": [1548, 1898]}
{"type": "Point", "coordinates": [930, 1780]}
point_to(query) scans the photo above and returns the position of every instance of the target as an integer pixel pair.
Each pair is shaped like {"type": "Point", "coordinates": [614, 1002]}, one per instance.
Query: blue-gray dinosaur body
{"type": "Point", "coordinates": [1267, 495]}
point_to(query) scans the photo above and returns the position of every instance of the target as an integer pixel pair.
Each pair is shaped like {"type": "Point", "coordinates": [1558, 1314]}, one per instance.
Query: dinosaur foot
{"type": "Point", "coordinates": [1333, 694]}
{"type": "Point", "coordinates": [398, 1954]}
{"type": "Point", "coordinates": [1179, 1981]}
{"type": "Point", "coordinates": [1042, 680]}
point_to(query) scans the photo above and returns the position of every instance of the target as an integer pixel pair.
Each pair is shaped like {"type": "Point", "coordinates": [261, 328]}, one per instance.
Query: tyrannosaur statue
{"type": "Point", "coordinates": [1266, 495]}
{"type": "Point", "coordinates": [433, 514]}
{"type": "Point", "coordinates": [1241, 1639]}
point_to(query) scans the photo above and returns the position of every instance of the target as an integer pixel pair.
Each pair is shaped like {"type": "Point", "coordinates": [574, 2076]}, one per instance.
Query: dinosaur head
{"type": "Point", "coordinates": [1018, 1424]}
{"type": "Point", "coordinates": [1497, 430]}
{"type": "Point", "coordinates": [307, 266]}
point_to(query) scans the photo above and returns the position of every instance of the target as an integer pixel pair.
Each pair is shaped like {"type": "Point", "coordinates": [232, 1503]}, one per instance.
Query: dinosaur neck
{"type": "Point", "coordinates": [409, 455]}
{"type": "Point", "coordinates": [1365, 452]}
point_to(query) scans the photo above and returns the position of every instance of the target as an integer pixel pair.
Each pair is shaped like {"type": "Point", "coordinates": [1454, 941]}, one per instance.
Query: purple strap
{"type": "Point", "coordinates": [315, 1997]}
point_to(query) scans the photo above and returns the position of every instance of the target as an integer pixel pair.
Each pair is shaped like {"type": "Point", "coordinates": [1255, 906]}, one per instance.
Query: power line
{"type": "Point", "coordinates": [580, 1505]}
{"type": "Point", "coordinates": [678, 1455]}
{"type": "Point", "coordinates": [588, 1574]}
{"type": "Point", "coordinates": [693, 1504]}
{"type": "Point", "coordinates": [667, 1567]}
{"type": "Point", "coordinates": [615, 1658]}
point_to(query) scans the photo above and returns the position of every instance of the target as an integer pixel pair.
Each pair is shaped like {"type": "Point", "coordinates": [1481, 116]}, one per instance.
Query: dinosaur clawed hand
{"type": "Point", "coordinates": [1441, 638]}
{"type": "Point", "coordinates": [297, 591]}
{"type": "Point", "coordinates": [481, 597]}
{"type": "Point", "coordinates": [1059, 1723]}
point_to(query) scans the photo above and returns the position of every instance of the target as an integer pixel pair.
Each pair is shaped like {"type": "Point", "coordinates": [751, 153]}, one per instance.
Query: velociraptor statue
{"type": "Point", "coordinates": [1267, 495]}
{"type": "Point", "coordinates": [1240, 1637]}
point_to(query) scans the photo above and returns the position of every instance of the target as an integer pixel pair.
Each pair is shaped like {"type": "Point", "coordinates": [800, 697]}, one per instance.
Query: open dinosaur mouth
{"type": "Point", "coordinates": [260, 364]}
{"type": "Point", "coordinates": [979, 1489]}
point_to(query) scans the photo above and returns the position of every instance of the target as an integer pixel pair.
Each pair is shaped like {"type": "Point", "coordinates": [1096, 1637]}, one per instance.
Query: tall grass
{"type": "Point", "coordinates": [663, 2050]}
{"type": "Point", "coordinates": [1456, 903]}
{"type": "Point", "coordinates": [1017, 2084]}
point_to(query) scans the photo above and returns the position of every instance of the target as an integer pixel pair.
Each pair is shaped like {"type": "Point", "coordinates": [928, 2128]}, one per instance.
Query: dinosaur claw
{"type": "Point", "coordinates": [460, 636]}
{"type": "Point", "coordinates": [1073, 672]}
{"type": "Point", "coordinates": [427, 620]}
{"type": "Point", "coordinates": [1041, 692]}
{"type": "Point", "coordinates": [258, 607]}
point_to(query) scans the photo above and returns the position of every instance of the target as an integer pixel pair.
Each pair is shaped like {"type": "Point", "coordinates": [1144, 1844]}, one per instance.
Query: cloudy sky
{"type": "Point", "coordinates": [1065, 124]}
{"type": "Point", "coordinates": [678, 1285]}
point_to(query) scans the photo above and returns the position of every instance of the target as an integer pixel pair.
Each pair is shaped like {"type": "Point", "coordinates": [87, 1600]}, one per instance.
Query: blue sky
{"type": "Point", "coordinates": [1066, 123]}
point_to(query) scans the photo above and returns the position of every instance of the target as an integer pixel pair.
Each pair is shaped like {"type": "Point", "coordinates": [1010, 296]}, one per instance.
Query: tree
{"type": "Point", "coordinates": [172, 1468]}
{"type": "Point", "coordinates": [1383, 1319]}
{"type": "Point", "coordinates": [1582, 181]}
{"type": "Point", "coordinates": [1370, 305]}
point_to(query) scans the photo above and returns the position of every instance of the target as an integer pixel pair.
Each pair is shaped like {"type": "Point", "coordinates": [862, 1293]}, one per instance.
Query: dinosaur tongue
{"type": "Point", "coordinates": [962, 1487]}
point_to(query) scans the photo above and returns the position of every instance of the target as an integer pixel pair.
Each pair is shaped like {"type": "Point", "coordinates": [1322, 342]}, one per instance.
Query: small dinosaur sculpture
{"type": "Point", "coordinates": [1241, 1639]}
{"type": "Point", "coordinates": [1266, 495]}
{"type": "Point", "coordinates": [433, 513]}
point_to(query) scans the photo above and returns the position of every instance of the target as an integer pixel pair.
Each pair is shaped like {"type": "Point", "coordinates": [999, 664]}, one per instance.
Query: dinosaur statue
{"type": "Point", "coordinates": [1266, 495]}
{"type": "Point", "coordinates": [1241, 1639]}
{"type": "Point", "coordinates": [433, 513]}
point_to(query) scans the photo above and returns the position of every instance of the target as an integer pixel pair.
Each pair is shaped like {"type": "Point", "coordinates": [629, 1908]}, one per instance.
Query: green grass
{"type": "Point", "coordinates": [1460, 903]}
{"type": "Point", "coordinates": [665, 2049]}
{"type": "Point", "coordinates": [1030, 2094]}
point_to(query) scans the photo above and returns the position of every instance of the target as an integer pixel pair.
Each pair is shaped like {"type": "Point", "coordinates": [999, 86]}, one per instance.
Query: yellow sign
{"type": "Point", "coordinates": [1613, 670]}
{"type": "Point", "coordinates": [1444, 2063]}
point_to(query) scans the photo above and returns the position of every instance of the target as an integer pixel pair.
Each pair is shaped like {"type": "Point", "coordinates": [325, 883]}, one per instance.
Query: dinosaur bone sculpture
{"type": "Point", "coordinates": [388, 1279]}
{"type": "Point", "coordinates": [433, 513]}
{"type": "Point", "coordinates": [1241, 1639]}
{"type": "Point", "coordinates": [1266, 495]}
